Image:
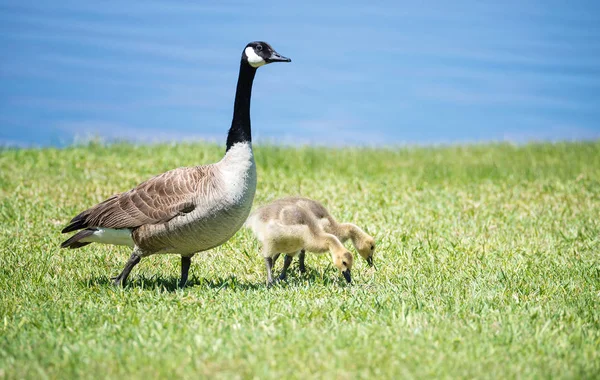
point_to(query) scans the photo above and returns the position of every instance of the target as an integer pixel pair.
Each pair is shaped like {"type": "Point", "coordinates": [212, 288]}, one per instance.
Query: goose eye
{"type": "Point", "coordinates": [259, 47]}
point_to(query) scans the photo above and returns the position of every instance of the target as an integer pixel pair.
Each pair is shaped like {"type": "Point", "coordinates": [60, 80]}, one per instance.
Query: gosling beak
{"type": "Point", "coordinates": [370, 261]}
{"type": "Point", "coordinates": [347, 276]}
{"type": "Point", "coordinates": [276, 57]}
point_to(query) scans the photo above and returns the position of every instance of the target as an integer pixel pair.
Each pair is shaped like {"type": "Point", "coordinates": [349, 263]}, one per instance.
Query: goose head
{"type": "Point", "coordinates": [366, 248]}
{"type": "Point", "coordinates": [343, 261]}
{"type": "Point", "coordinates": [259, 53]}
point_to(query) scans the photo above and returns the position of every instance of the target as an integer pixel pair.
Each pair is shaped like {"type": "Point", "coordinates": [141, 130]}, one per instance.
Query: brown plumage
{"type": "Point", "coordinates": [154, 201]}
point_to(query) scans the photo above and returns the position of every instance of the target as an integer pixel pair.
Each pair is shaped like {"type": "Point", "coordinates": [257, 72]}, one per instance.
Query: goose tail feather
{"type": "Point", "coordinates": [74, 241]}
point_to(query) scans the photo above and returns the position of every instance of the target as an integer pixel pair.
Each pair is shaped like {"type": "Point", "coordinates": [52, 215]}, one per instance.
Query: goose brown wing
{"type": "Point", "coordinates": [154, 201]}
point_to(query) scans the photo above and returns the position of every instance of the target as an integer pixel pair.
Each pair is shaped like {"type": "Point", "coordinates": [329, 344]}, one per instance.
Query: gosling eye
{"type": "Point", "coordinates": [372, 247]}
{"type": "Point", "coordinates": [345, 263]}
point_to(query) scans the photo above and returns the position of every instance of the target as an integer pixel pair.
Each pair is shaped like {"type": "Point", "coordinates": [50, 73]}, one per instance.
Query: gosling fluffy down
{"type": "Point", "coordinates": [363, 242]}
{"type": "Point", "coordinates": [285, 228]}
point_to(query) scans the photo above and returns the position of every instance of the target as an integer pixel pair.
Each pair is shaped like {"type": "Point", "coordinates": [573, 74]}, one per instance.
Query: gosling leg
{"type": "Point", "coordinates": [301, 261]}
{"type": "Point", "coordinates": [286, 265]}
{"type": "Point", "coordinates": [186, 261]}
{"type": "Point", "coordinates": [275, 258]}
{"type": "Point", "coordinates": [269, 265]}
{"type": "Point", "coordinates": [134, 259]}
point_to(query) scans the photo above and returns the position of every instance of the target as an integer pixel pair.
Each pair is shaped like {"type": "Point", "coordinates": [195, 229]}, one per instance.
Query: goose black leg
{"type": "Point", "coordinates": [286, 265]}
{"type": "Point", "coordinates": [185, 268]}
{"type": "Point", "coordinates": [269, 265]}
{"type": "Point", "coordinates": [121, 278]}
{"type": "Point", "coordinates": [301, 261]}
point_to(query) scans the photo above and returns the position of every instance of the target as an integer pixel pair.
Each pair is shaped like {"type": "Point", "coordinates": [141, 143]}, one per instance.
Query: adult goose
{"type": "Point", "coordinates": [189, 209]}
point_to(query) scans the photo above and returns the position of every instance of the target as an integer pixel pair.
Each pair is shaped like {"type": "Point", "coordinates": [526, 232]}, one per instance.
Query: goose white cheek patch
{"type": "Point", "coordinates": [254, 59]}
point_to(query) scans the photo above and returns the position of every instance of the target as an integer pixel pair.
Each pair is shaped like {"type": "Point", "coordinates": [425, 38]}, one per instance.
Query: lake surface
{"type": "Point", "coordinates": [362, 74]}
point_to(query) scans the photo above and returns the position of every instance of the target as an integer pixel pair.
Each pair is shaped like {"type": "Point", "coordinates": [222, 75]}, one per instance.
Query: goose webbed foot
{"type": "Point", "coordinates": [122, 277]}
{"type": "Point", "coordinates": [286, 265]}
{"type": "Point", "coordinates": [185, 268]}
{"type": "Point", "coordinates": [116, 280]}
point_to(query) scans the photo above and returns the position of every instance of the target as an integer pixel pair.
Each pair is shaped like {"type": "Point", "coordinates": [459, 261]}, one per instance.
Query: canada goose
{"type": "Point", "coordinates": [189, 209]}
{"type": "Point", "coordinates": [288, 228]}
{"type": "Point", "coordinates": [363, 242]}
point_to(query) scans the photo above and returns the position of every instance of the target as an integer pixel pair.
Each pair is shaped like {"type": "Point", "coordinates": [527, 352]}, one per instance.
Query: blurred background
{"type": "Point", "coordinates": [362, 73]}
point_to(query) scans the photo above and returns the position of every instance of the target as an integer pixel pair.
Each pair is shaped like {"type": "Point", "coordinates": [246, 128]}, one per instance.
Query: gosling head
{"type": "Point", "coordinates": [366, 248]}
{"type": "Point", "coordinates": [259, 53]}
{"type": "Point", "coordinates": [343, 261]}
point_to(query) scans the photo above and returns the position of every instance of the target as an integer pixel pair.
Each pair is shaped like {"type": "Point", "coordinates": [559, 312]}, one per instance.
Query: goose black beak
{"type": "Point", "coordinates": [370, 261]}
{"type": "Point", "coordinates": [347, 276]}
{"type": "Point", "coordinates": [276, 57]}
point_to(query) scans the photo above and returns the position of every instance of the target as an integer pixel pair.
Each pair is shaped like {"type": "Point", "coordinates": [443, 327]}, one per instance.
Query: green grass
{"type": "Point", "coordinates": [488, 266]}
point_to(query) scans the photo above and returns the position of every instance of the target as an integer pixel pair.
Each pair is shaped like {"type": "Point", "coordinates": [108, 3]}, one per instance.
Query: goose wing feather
{"type": "Point", "coordinates": [154, 201]}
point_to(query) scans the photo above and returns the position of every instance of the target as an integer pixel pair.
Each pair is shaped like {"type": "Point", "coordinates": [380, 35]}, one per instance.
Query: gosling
{"type": "Point", "coordinates": [288, 229]}
{"type": "Point", "coordinates": [363, 242]}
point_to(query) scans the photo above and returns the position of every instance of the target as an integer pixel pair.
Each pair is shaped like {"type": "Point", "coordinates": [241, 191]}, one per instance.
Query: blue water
{"type": "Point", "coordinates": [383, 73]}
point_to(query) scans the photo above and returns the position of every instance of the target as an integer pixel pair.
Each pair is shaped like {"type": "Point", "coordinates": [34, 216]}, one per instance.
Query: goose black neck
{"type": "Point", "coordinates": [240, 125]}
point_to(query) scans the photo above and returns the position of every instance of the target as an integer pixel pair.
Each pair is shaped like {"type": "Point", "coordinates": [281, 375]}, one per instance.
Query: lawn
{"type": "Point", "coordinates": [487, 262]}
